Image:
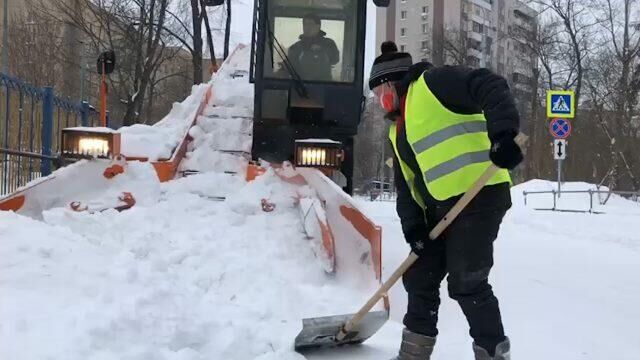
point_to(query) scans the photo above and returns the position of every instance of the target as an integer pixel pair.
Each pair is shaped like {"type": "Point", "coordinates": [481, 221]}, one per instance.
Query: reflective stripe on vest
{"type": "Point", "coordinates": [407, 173]}
{"type": "Point", "coordinates": [452, 149]}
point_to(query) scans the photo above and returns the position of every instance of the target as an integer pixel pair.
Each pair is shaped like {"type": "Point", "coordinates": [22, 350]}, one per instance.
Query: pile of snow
{"type": "Point", "coordinates": [85, 183]}
{"type": "Point", "coordinates": [157, 142]}
{"type": "Point", "coordinates": [182, 278]}
{"type": "Point", "coordinates": [212, 137]}
{"type": "Point", "coordinates": [231, 86]}
{"type": "Point", "coordinates": [226, 125]}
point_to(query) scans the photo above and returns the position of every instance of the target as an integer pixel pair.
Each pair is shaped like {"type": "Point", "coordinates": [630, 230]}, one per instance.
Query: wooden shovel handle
{"type": "Point", "coordinates": [521, 140]}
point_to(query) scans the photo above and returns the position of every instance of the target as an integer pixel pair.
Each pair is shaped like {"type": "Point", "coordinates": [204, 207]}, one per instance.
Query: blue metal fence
{"type": "Point", "coordinates": [30, 130]}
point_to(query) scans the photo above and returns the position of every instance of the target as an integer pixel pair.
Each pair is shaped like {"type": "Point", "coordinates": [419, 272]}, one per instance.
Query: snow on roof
{"type": "Point", "coordinates": [318, 141]}
{"type": "Point", "coordinates": [103, 130]}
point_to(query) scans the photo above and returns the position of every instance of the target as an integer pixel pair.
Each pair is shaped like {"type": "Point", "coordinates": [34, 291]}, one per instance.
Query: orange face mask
{"type": "Point", "coordinates": [388, 98]}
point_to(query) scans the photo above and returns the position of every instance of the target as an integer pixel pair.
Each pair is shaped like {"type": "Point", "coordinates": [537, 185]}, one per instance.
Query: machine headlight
{"type": "Point", "coordinates": [321, 153]}
{"type": "Point", "coordinates": [80, 143]}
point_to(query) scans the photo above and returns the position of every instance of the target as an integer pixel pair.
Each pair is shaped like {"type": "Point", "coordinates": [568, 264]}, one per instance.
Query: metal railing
{"type": "Point", "coordinates": [382, 196]}
{"type": "Point", "coordinates": [633, 195]}
{"type": "Point", "coordinates": [30, 130]}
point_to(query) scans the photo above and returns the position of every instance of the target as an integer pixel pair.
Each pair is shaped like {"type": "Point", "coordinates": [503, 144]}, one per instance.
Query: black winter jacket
{"type": "Point", "coordinates": [314, 56]}
{"type": "Point", "coordinates": [465, 91]}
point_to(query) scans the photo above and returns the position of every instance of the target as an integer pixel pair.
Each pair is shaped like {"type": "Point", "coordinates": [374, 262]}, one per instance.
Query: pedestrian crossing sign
{"type": "Point", "coordinates": [561, 104]}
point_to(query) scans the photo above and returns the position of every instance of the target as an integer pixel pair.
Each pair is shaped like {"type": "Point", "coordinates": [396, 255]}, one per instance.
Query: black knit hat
{"type": "Point", "coordinates": [391, 65]}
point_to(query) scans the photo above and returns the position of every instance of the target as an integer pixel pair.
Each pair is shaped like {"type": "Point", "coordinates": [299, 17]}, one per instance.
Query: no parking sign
{"type": "Point", "coordinates": [560, 128]}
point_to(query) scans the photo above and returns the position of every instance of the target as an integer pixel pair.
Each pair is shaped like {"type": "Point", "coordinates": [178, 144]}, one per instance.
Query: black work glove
{"type": "Point", "coordinates": [417, 239]}
{"type": "Point", "coordinates": [505, 153]}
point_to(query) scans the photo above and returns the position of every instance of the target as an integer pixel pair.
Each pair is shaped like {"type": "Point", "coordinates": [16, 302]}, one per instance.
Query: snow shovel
{"type": "Point", "coordinates": [355, 328]}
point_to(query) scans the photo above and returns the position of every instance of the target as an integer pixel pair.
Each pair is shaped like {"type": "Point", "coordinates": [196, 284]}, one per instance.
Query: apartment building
{"type": "Point", "coordinates": [479, 33]}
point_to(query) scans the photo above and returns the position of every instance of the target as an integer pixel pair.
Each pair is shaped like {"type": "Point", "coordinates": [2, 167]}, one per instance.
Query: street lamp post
{"type": "Point", "coordinates": [5, 38]}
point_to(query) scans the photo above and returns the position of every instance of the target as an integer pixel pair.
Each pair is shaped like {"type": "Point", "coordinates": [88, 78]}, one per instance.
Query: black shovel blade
{"type": "Point", "coordinates": [322, 332]}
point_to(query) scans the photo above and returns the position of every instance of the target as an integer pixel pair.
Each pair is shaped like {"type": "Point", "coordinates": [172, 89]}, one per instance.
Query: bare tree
{"type": "Point", "coordinates": [614, 85]}
{"type": "Point", "coordinates": [577, 25]}
{"type": "Point", "coordinates": [456, 46]}
{"type": "Point", "coordinates": [185, 26]}
{"type": "Point", "coordinates": [371, 145]}
{"type": "Point", "coordinates": [132, 28]}
{"type": "Point", "coordinates": [34, 49]}
{"type": "Point", "coordinates": [593, 47]}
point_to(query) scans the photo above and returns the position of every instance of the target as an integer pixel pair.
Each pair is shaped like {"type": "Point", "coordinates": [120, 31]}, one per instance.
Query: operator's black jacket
{"type": "Point", "coordinates": [314, 64]}
{"type": "Point", "coordinates": [464, 91]}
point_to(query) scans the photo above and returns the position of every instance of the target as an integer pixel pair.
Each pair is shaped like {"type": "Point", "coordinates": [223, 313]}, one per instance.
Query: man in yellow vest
{"type": "Point", "coordinates": [448, 124]}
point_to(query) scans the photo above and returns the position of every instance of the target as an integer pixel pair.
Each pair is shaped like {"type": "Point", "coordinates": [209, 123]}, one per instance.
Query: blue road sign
{"type": "Point", "coordinates": [560, 128]}
{"type": "Point", "coordinates": [560, 104]}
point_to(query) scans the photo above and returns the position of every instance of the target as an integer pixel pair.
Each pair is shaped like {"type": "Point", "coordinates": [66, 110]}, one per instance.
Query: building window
{"type": "Point", "coordinates": [403, 32]}
{"type": "Point", "coordinates": [425, 28]}
{"type": "Point", "coordinates": [403, 48]}
{"type": "Point", "coordinates": [425, 10]}
{"type": "Point", "coordinates": [474, 44]}
{"type": "Point", "coordinates": [479, 28]}
{"type": "Point", "coordinates": [520, 78]}
{"type": "Point", "coordinates": [473, 61]}
{"type": "Point", "coordinates": [489, 44]}
{"type": "Point", "coordinates": [403, 14]}
{"type": "Point", "coordinates": [424, 45]}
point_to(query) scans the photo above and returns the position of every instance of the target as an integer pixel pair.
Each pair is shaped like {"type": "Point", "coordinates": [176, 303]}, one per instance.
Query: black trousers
{"type": "Point", "coordinates": [465, 252]}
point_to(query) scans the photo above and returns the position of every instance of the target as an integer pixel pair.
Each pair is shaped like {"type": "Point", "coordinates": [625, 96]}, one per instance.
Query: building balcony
{"type": "Point", "coordinates": [525, 11]}
{"type": "Point", "coordinates": [482, 3]}
{"type": "Point", "coordinates": [475, 36]}
{"type": "Point", "coordinates": [525, 25]}
{"type": "Point", "coordinates": [477, 18]}
{"type": "Point", "coordinates": [526, 88]}
{"type": "Point", "coordinates": [475, 53]}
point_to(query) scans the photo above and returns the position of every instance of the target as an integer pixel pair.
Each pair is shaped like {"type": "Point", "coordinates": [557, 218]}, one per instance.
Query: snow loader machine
{"type": "Point", "coordinates": [307, 107]}
{"type": "Point", "coordinates": [308, 90]}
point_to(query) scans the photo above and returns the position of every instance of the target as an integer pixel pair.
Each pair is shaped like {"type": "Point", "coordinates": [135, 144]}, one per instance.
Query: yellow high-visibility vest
{"type": "Point", "coordinates": [407, 173]}
{"type": "Point", "coordinates": [452, 150]}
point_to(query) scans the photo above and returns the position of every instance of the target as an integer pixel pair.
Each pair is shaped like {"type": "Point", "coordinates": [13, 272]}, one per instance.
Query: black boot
{"type": "Point", "coordinates": [503, 351]}
{"type": "Point", "coordinates": [415, 346]}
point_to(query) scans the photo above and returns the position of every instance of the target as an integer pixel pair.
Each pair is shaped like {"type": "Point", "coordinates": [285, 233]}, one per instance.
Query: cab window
{"type": "Point", "coordinates": [314, 40]}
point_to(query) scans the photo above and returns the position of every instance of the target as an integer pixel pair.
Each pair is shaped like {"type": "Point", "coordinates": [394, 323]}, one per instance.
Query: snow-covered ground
{"type": "Point", "coordinates": [568, 283]}
{"type": "Point", "coordinates": [183, 276]}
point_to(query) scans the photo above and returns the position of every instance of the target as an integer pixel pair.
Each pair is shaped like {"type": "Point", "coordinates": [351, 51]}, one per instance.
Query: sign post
{"type": "Point", "coordinates": [560, 107]}
{"type": "Point", "coordinates": [105, 65]}
{"type": "Point", "coordinates": [559, 153]}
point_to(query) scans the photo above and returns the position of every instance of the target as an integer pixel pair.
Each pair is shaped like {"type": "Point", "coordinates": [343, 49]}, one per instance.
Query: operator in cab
{"type": "Point", "coordinates": [314, 54]}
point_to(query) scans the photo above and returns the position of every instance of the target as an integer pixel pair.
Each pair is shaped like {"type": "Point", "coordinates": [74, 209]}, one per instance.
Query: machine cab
{"type": "Point", "coordinates": [307, 66]}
